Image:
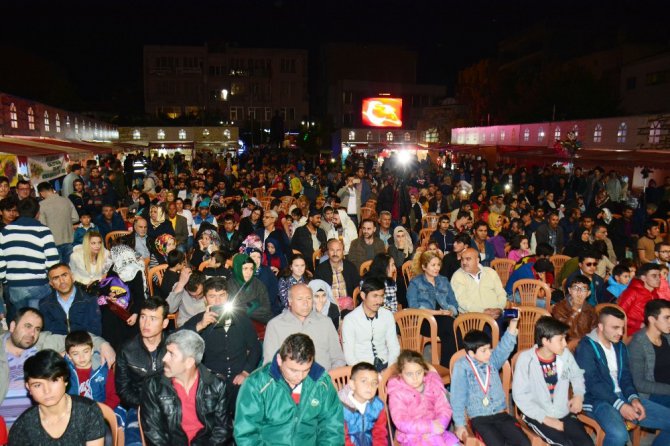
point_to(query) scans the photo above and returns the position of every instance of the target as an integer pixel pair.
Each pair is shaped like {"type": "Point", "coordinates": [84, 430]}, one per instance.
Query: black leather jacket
{"type": "Point", "coordinates": [161, 412]}
{"type": "Point", "coordinates": [133, 365]}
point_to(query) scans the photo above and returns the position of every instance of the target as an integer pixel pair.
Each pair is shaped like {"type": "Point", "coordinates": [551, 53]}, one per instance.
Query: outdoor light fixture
{"type": "Point", "coordinates": [224, 94]}
{"type": "Point", "coordinates": [403, 157]}
{"type": "Point", "coordinates": [508, 187]}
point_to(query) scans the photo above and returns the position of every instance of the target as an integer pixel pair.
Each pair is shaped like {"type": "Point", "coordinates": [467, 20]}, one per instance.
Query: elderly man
{"type": "Point", "coordinates": [269, 230]}
{"type": "Point", "coordinates": [301, 318]}
{"type": "Point", "coordinates": [367, 246]}
{"type": "Point", "coordinates": [24, 339]}
{"type": "Point", "coordinates": [187, 403]}
{"type": "Point", "coordinates": [271, 409]}
{"type": "Point", "coordinates": [478, 288]}
{"type": "Point", "coordinates": [138, 239]}
{"type": "Point", "coordinates": [340, 274]}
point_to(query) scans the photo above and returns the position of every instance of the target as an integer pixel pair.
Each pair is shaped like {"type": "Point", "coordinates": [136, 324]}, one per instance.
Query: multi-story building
{"type": "Point", "coordinates": [239, 86]}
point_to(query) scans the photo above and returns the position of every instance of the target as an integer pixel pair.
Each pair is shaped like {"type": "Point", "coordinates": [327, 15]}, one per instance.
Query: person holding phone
{"type": "Point", "coordinates": [232, 348]}
{"type": "Point", "coordinates": [350, 198]}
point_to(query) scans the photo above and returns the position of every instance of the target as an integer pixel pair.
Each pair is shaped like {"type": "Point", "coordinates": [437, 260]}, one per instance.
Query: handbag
{"type": "Point", "coordinates": [114, 293]}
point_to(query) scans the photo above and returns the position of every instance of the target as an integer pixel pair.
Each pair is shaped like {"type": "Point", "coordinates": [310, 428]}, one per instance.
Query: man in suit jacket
{"type": "Point", "coordinates": [438, 204]}
{"type": "Point", "coordinates": [337, 262]}
{"type": "Point", "coordinates": [180, 226]}
{"type": "Point", "coordinates": [303, 237]}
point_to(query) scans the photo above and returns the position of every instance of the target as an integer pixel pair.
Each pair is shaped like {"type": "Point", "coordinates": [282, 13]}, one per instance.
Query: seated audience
{"type": "Point", "coordinates": [641, 290]}
{"type": "Point", "coordinates": [90, 261]}
{"type": "Point", "coordinates": [478, 288]}
{"type": "Point", "coordinates": [186, 296]}
{"type": "Point", "coordinates": [650, 354]}
{"type": "Point", "coordinates": [324, 302]}
{"type": "Point", "coordinates": [617, 282]}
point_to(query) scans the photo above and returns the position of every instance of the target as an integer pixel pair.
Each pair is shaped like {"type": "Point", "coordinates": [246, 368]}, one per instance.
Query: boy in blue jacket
{"type": "Point", "coordinates": [611, 398]}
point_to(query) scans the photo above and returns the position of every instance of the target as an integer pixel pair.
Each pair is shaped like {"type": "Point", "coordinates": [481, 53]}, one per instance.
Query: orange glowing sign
{"type": "Point", "coordinates": [382, 112]}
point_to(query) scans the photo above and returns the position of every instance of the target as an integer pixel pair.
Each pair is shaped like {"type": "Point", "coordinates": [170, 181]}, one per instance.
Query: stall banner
{"type": "Point", "coordinates": [46, 168]}
{"type": "Point", "coordinates": [9, 167]}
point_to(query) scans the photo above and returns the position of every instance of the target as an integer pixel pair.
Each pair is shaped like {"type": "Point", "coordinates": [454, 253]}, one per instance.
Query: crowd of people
{"type": "Point", "coordinates": [206, 300]}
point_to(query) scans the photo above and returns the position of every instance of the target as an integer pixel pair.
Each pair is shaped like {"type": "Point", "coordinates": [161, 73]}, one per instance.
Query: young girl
{"type": "Point", "coordinates": [520, 248]}
{"type": "Point", "coordinates": [295, 274]}
{"type": "Point", "coordinates": [418, 403]}
{"type": "Point", "coordinates": [273, 257]}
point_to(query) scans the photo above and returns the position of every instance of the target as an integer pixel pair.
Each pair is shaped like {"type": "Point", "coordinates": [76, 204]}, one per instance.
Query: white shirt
{"type": "Point", "coordinates": [610, 355]}
{"type": "Point", "coordinates": [359, 333]}
{"type": "Point", "coordinates": [351, 203]}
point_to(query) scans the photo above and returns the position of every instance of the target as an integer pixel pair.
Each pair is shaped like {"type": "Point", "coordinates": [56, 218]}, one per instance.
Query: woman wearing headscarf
{"type": "Point", "coordinates": [163, 244]}
{"type": "Point", "coordinates": [207, 242]}
{"type": "Point", "coordinates": [324, 302]}
{"type": "Point", "coordinates": [126, 267]}
{"type": "Point", "coordinates": [246, 291]}
{"type": "Point", "coordinates": [495, 222]}
{"type": "Point", "coordinates": [144, 203]}
{"type": "Point", "coordinates": [402, 248]}
{"type": "Point", "coordinates": [158, 223]}
{"type": "Point", "coordinates": [273, 257]}
{"type": "Point", "coordinates": [579, 242]}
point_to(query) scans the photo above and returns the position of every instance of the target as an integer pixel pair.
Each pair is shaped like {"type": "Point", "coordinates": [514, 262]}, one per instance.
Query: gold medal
{"type": "Point", "coordinates": [485, 401]}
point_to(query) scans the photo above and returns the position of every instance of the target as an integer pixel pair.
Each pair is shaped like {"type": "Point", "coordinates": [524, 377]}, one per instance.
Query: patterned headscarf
{"type": "Point", "coordinates": [126, 264]}
{"type": "Point", "coordinates": [252, 241]}
{"type": "Point", "coordinates": [161, 243]}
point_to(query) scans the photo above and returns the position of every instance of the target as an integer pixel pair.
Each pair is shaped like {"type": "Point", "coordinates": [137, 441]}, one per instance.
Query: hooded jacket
{"type": "Point", "coordinates": [599, 385]}
{"type": "Point", "coordinates": [266, 413]}
{"type": "Point", "coordinates": [367, 428]}
{"type": "Point", "coordinates": [251, 295]}
{"type": "Point", "coordinates": [632, 301]}
{"type": "Point", "coordinates": [414, 413]}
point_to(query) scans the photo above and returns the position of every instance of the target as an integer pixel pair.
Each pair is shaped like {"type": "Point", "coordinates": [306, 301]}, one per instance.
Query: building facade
{"type": "Point", "coordinates": [241, 86]}
{"type": "Point", "coordinates": [186, 140]}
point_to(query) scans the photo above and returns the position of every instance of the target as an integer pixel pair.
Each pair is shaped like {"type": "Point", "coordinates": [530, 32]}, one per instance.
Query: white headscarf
{"type": "Point", "coordinates": [349, 231]}
{"type": "Point", "coordinates": [317, 285]}
{"type": "Point", "coordinates": [126, 264]}
{"type": "Point", "coordinates": [409, 246]}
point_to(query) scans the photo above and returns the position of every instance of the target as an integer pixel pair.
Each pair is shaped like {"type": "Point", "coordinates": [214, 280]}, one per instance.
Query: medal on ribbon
{"type": "Point", "coordinates": [484, 385]}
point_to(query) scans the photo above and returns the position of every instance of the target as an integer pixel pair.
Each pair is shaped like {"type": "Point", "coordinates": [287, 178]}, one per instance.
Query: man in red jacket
{"type": "Point", "coordinates": [641, 290]}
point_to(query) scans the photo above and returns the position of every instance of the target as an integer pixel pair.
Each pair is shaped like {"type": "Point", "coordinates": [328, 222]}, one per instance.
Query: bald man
{"type": "Point", "coordinates": [300, 317]}
{"type": "Point", "coordinates": [478, 288]}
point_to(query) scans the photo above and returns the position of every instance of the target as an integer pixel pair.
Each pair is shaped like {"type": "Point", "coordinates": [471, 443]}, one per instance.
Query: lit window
{"type": "Point", "coordinates": [182, 134]}
{"type": "Point", "coordinates": [13, 116]}
{"type": "Point", "coordinates": [598, 133]}
{"type": "Point", "coordinates": [95, 129]}
{"type": "Point", "coordinates": [76, 125]}
{"type": "Point", "coordinates": [575, 130]}
{"type": "Point", "coordinates": [57, 123]}
{"type": "Point", "coordinates": [226, 133]}
{"type": "Point", "coordinates": [655, 133]}
{"type": "Point", "coordinates": [502, 135]}
{"type": "Point", "coordinates": [389, 136]}
{"type": "Point", "coordinates": [83, 126]}
{"type": "Point", "coordinates": [136, 134]}
{"type": "Point", "coordinates": [484, 138]}
{"type": "Point", "coordinates": [540, 135]}
{"type": "Point", "coordinates": [432, 135]}
{"type": "Point", "coordinates": [352, 135]}
{"type": "Point", "coordinates": [46, 121]}
{"type": "Point", "coordinates": [205, 133]}
{"type": "Point", "coordinates": [493, 136]}
{"type": "Point", "coordinates": [31, 118]}
{"type": "Point", "coordinates": [526, 135]}
{"type": "Point", "coordinates": [368, 136]}
{"type": "Point", "coordinates": [408, 137]}
{"type": "Point", "coordinates": [67, 121]}
{"type": "Point", "coordinates": [160, 134]}
{"type": "Point", "coordinates": [557, 134]}
{"type": "Point", "coordinates": [621, 133]}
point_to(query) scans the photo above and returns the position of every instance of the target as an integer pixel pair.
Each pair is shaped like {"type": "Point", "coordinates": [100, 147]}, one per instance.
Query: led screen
{"type": "Point", "coordinates": [382, 112]}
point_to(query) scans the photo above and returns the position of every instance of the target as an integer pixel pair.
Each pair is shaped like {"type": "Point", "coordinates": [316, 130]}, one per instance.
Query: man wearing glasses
{"type": "Point", "coordinates": [588, 262]}
{"type": "Point", "coordinates": [575, 311]}
{"type": "Point", "coordinates": [23, 189]}
{"type": "Point", "coordinates": [641, 290]}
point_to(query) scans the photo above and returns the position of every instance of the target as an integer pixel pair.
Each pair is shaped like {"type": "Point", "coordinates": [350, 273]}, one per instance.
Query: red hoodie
{"type": "Point", "coordinates": [632, 300]}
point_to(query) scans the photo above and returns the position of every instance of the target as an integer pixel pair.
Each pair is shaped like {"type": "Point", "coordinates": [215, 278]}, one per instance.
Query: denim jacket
{"type": "Point", "coordinates": [467, 395]}
{"type": "Point", "coordinates": [422, 294]}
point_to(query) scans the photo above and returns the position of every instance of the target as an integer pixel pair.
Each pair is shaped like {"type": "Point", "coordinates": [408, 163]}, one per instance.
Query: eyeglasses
{"type": "Point", "coordinates": [665, 251]}
{"type": "Point", "coordinates": [579, 289]}
{"type": "Point", "coordinates": [591, 264]}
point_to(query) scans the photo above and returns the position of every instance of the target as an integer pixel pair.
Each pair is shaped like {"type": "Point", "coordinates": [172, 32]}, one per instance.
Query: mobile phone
{"type": "Point", "coordinates": [357, 180]}
{"type": "Point", "coordinates": [218, 309]}
{"type": "Point", "coordinates": [511, 313]}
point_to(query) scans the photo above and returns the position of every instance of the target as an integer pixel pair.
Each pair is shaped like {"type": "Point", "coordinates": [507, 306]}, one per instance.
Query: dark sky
{"type": "Point", "coordinates": [92, 50]}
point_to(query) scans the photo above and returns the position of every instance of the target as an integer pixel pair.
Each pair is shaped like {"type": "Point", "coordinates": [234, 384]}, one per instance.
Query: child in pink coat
{"type": "Point", "coordinates": [418, 404]}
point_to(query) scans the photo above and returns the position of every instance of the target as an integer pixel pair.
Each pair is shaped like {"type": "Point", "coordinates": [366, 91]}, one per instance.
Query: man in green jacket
{"type": "Point", "coordinates": [290, 401]}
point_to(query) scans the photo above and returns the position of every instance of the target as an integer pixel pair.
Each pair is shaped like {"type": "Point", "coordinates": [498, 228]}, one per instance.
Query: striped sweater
{"type": "Point", "coordinates": [27, 249]}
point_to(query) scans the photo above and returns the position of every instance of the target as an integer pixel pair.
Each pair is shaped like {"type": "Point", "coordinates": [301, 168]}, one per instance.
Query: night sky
{"type": "Point", "coordinates": [87, 55]}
